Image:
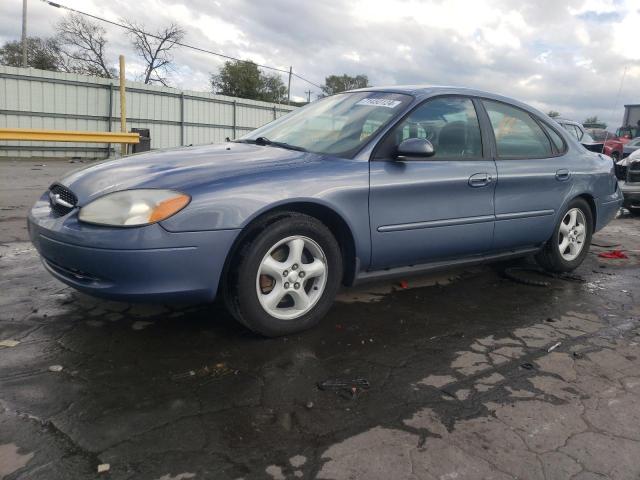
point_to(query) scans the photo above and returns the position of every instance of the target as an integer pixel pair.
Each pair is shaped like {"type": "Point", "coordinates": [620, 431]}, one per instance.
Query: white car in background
{"type": "Point", "coordinates": [628, 171]}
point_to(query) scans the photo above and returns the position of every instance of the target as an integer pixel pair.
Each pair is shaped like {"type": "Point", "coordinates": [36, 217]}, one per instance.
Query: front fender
{"type": "Point", "coordinates": [341, 185]}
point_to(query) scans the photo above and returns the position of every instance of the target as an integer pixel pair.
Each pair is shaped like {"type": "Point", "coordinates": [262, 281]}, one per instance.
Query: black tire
{"type": "Point", "coordinates": [634, 212]}
{"type": "Point", "coordinates": [550, 258]}
{"type": "Point", "coordinates": [241, 297]}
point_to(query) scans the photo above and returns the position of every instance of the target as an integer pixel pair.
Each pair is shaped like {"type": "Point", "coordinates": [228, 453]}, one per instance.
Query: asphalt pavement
{"type": "Point", "coordinates": [466, 374]}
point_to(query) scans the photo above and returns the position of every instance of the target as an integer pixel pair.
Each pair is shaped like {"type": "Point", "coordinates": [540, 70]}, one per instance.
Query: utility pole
{"type": "Point", "coordinates": [308, 92]}
{"type": "Point", "coordinates": [289, 87]}
{"type": "Point", "coordinates": [24, 33]}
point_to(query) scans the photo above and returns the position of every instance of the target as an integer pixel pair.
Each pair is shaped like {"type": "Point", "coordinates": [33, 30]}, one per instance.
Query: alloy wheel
{"type": "Point", "coordinates": [572, 234]}
{"type": "Point", "coordinates": [291, 277]}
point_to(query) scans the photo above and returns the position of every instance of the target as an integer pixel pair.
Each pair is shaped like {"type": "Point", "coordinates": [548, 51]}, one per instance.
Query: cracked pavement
{"type": "Point", "coordinates": [472, 376]}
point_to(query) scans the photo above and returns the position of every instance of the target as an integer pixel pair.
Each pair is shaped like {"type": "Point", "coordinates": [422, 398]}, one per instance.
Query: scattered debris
{"type": "Point", "coordinates": [527, 366]}
{"type": "Point", "coordinates": [103, 467]}
{"type": "Point", "coordinates": [404, 284]}
{"type": "Point", "coordinates": [593, 286]}
{"type": "Point", "coordinates": [351, 387]}
{"type": "Point", "coordinates": [603, 245]}
{"type": "Point", "coordinates": [613, 254]}
{"type": "Point", "coordinates": [309, 405]}
{"type": "Point", "coordinates": [515, 274]}
{"type": "Point", "coordinates": [9, 343]}
{"type": "Point", "coordinates": [56, 368]}
{"type": "Point", "coordinates": [217, 370]}
{"type": "Point", "coordinates": [554, 346]}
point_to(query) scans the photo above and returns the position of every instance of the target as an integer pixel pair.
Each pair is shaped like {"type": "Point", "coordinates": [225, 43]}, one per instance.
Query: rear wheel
{"type": "Point", "coordinates": [286, 277]}
{"type": "Point", "coordinates": [569, 244]}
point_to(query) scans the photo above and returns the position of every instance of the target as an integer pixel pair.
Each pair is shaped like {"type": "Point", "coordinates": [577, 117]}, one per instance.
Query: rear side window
{"type": "Point", "coordinates": [517, 134]}
{"type": "Point", "coordinates": [555, 138]}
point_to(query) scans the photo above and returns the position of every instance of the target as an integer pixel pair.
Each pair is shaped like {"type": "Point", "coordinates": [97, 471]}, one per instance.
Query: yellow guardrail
{"type": "Point", "coordinates": [35, 135]}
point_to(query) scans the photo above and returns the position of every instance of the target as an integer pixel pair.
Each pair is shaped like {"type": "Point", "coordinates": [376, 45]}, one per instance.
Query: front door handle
{"type": "Point", "coordinates": [480, 180]}
{"type": "Point", "coordinates": [562, 175]}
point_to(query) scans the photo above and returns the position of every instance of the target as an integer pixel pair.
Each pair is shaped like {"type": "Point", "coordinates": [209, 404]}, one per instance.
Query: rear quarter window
{"type": "Point", "coordinates": [556, 139]}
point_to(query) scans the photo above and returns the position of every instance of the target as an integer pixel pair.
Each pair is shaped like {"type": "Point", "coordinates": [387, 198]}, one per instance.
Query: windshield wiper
{"type": "Point", "coordinates": [264, 141]}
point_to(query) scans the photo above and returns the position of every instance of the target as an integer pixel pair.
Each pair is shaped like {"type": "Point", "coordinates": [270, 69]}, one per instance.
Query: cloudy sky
{"type": "Point", "coordinates": [568, 56]}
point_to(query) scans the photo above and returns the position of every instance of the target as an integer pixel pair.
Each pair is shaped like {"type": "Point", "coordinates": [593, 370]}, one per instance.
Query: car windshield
{"type": "Point", "coordinates": [337, 125]}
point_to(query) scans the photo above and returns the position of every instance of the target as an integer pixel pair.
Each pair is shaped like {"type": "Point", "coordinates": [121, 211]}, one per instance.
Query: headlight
{"type": "Point", "coordinates": [134, 207]}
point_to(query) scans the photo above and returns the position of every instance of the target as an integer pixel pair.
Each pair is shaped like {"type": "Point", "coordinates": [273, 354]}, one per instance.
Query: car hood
{"type": "Point", "coordinates": [182, 169]}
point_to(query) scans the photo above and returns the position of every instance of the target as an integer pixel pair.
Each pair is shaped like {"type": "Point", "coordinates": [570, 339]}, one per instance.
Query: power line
{"type": "Point", "coordinates": [186, 45]}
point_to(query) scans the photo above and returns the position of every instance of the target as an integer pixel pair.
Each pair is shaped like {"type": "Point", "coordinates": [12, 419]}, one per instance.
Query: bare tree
{"type": "Point", "coordinates": [155, 49]}
{"type": "Point", "coordinates": [83, 43]}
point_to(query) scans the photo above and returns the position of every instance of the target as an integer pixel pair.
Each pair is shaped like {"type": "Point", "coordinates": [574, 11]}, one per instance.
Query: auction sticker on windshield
{"type": "Point", "coordinates": [379, 102]}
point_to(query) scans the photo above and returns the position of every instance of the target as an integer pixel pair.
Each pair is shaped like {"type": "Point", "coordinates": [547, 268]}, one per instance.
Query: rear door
{"type": "Point", "coordinates": [534, 176]}
{"type": "Point", "coordinates": [437, 207]}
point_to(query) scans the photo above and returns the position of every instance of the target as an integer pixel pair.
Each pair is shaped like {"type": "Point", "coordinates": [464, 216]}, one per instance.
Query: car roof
{"type": "Point", "coordinates": [566, 120]}
{"type": "Point", "coordinates": [424, 91]}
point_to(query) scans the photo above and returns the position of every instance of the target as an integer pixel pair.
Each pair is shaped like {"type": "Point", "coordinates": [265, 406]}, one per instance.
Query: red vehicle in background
{"type": "Point", "coordinates": [594, 139]}
{"type": "Point", "coordinates": [613, 145]}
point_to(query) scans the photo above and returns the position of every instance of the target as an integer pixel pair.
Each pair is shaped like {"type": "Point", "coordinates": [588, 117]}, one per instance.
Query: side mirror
{"type": "Point", "coordinates": [415, 149]}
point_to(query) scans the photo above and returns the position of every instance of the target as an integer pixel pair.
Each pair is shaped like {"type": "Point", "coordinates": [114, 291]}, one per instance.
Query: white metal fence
{"type": "Point", "coordinates": [31, 98]}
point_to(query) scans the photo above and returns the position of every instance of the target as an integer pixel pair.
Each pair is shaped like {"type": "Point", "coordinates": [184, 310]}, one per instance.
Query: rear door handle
{"type": "Point", "coordinates": [562, 175]}
{"type": "Point", "coordinates": [480, 180]}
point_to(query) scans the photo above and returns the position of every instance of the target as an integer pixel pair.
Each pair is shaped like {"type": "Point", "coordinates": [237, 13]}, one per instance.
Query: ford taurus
{"type": "Point", "coordinates": [357, 186]}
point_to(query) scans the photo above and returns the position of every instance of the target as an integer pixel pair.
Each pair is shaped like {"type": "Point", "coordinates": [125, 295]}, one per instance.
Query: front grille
{"type": "Point", "coordinates": [621, 172]}
{"type": "Point", "coordinates": [58, 194]}
{"type": "Point", "coordinates": [633, 174]}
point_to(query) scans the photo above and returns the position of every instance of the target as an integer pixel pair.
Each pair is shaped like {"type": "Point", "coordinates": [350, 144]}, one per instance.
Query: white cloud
{"type": "Point", "coordinates": [565, 55]}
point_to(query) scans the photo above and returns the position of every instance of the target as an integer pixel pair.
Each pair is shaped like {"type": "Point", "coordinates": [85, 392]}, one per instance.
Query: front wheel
{"type": "Point", "coordinates": [286, 277]}
{"type": "Point", "coordinates": [569, 244]}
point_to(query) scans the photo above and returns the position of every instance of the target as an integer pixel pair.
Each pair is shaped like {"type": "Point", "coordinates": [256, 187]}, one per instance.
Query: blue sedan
{"type": "Point", "coordinates": [361, 185]}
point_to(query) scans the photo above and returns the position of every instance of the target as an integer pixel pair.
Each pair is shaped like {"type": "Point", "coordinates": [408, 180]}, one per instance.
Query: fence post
{"type": "Point", "coordinates": [274, 112]}
{"type": "Point", "coordinates": [109, 127]}
{"type": "Point", "coordinates": [182, 119]}
{"type": "Point", "coordinates": [123, 105]}
{"type": "Point", "coordinates": [235, 123]}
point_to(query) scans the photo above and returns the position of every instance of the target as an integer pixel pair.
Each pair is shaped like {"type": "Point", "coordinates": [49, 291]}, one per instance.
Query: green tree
{"type": "Point", "coordinates": [340, 83]}
{"type": "Point", "coordinates": [245, 80]}
{"type": "Point", "coordinates": [42, 53]}
{"type": "Point", "coordinates": [553, 114]}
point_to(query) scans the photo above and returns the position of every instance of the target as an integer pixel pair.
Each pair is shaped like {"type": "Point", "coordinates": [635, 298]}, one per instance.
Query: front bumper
{"type": "Point", "coordinates": [131, 264]}
{"type": "Point", "coordinates": [631, 192]}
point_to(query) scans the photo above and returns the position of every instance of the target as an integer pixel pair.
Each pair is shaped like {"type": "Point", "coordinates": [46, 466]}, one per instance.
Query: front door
{"type": "Point", "coordinates": [438, 207]}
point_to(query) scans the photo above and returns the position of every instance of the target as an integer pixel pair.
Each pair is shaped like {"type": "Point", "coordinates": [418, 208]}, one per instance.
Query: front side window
{"type": "Point", "coordinates": [449, 123]}
{"type": "Point", "coordinates": [337, 125]}
{"type": "Point", "coordinates": [517, 134]}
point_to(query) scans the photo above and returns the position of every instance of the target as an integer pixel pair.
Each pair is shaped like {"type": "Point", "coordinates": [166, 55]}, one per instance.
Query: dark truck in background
{"type": "Point", "coordinates": [630, 123]}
